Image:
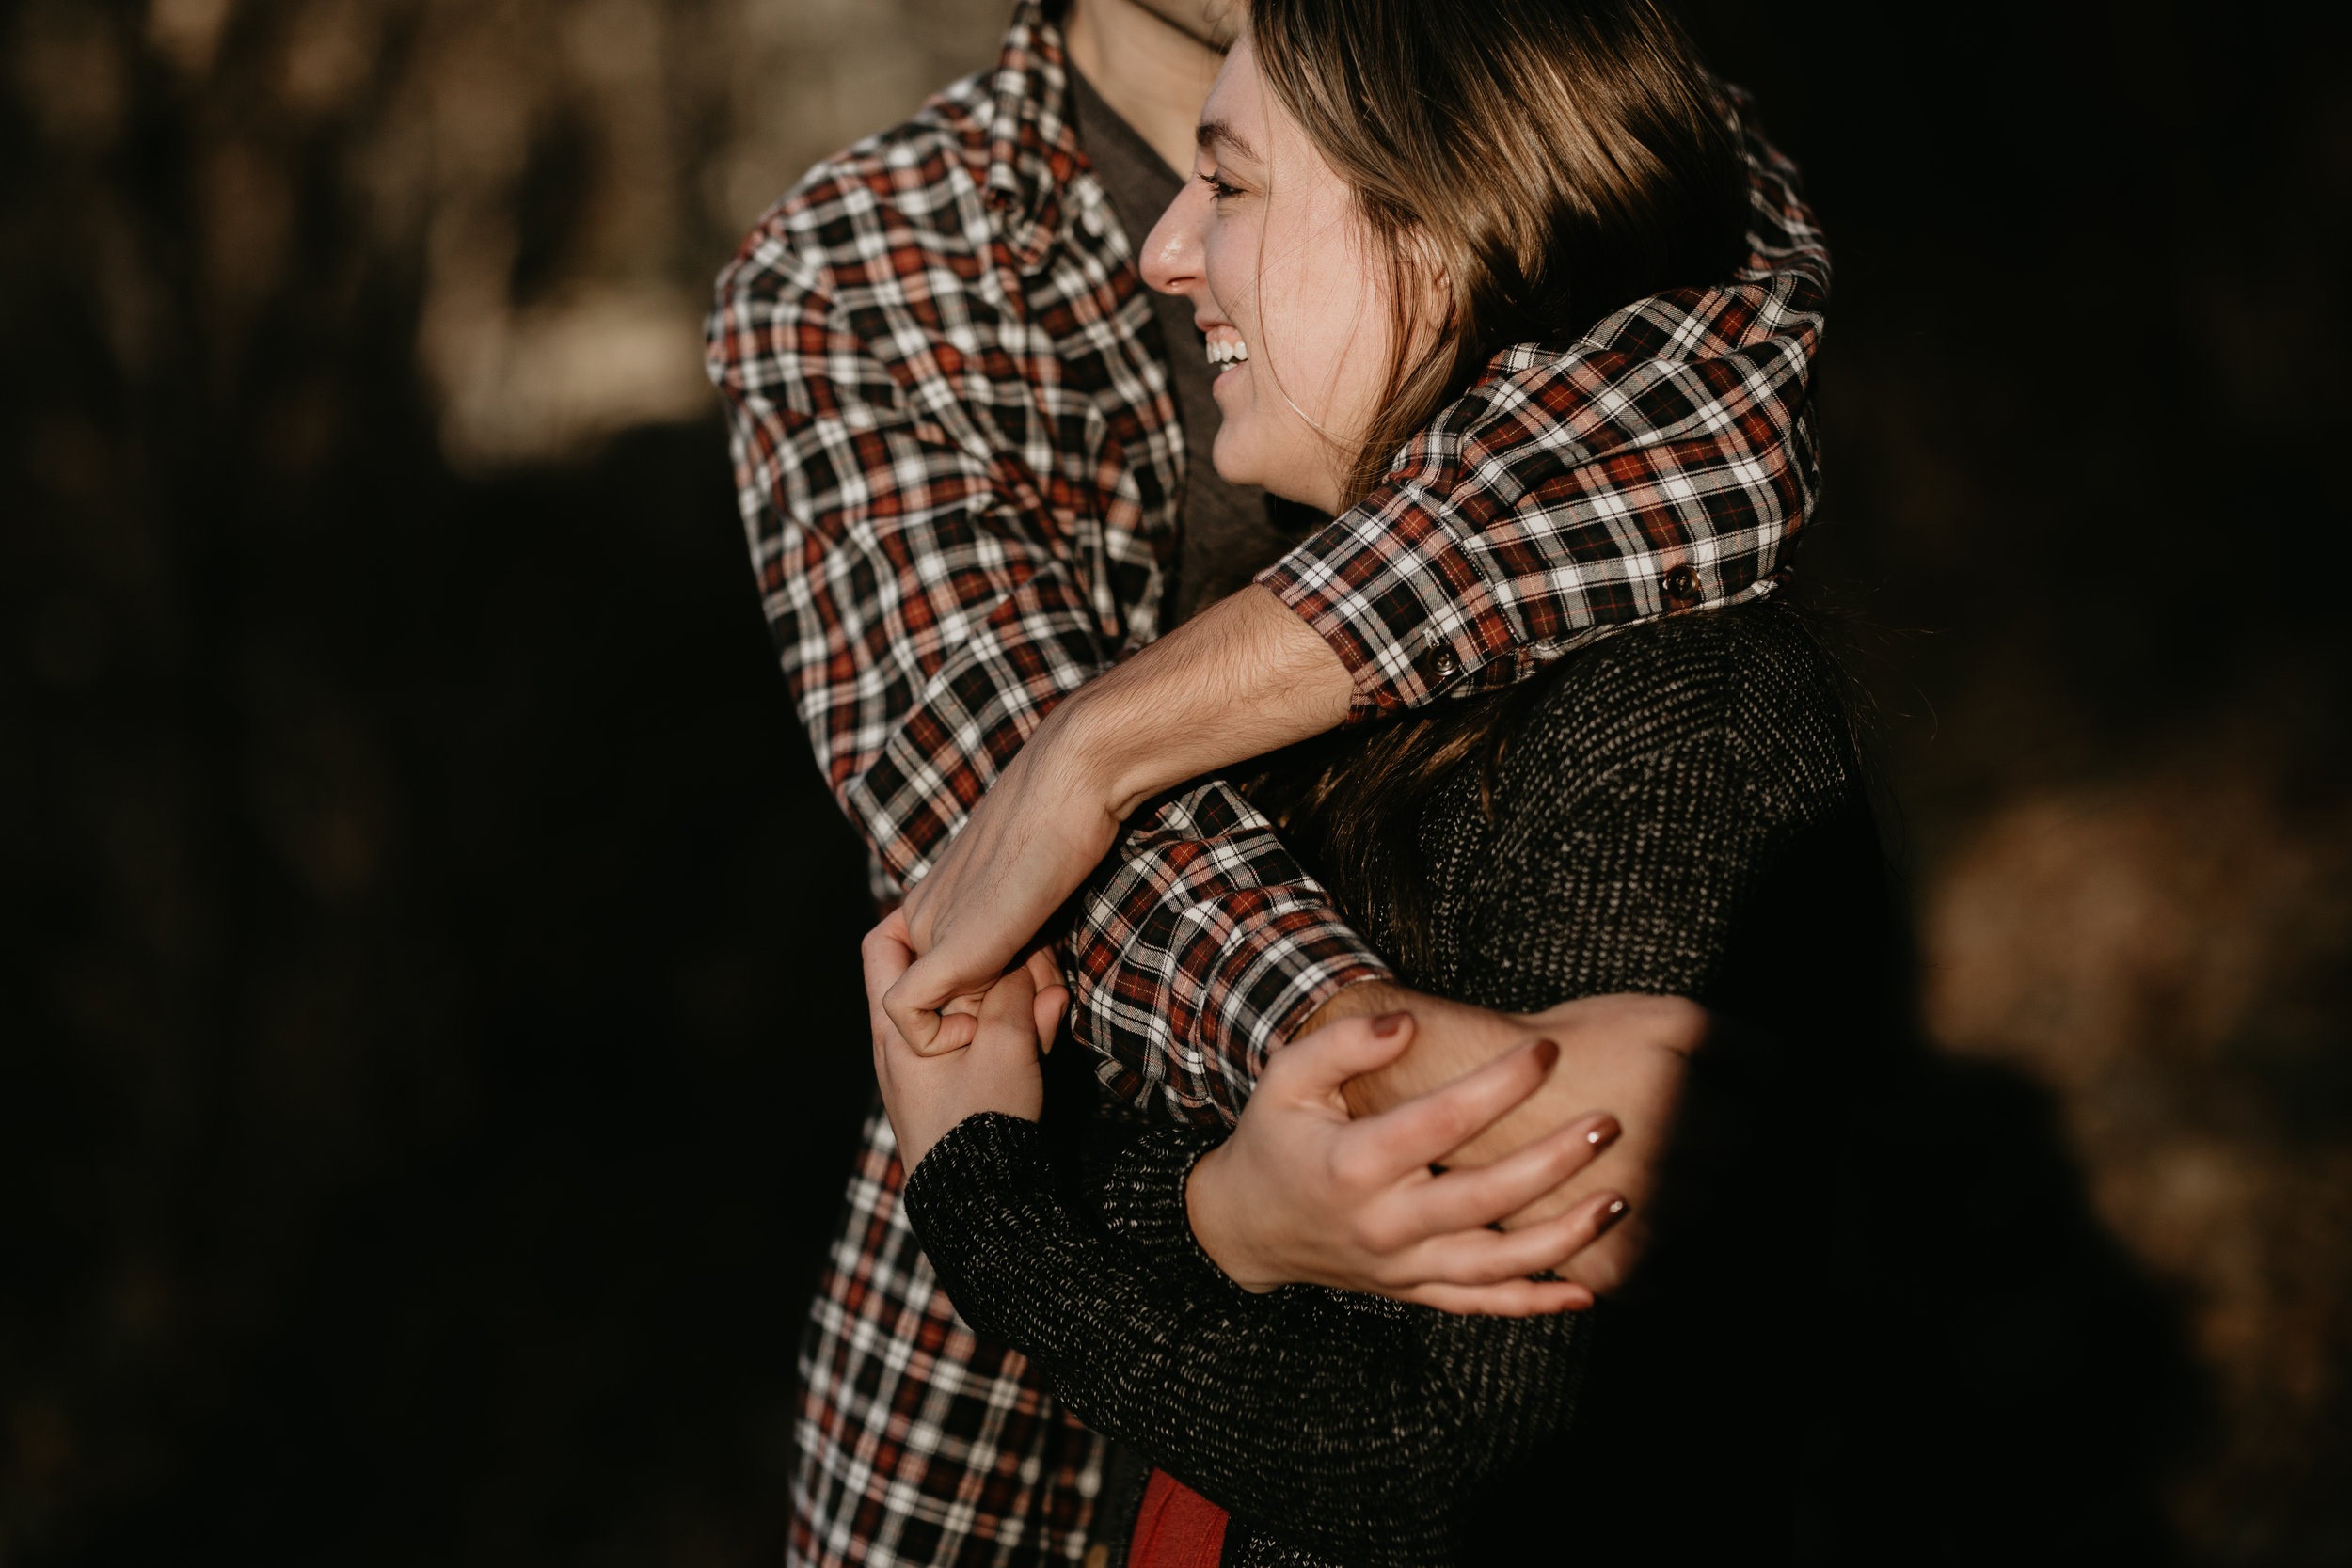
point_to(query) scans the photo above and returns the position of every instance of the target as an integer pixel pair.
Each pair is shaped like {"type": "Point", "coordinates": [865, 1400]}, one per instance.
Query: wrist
{"type": "Point", "coordinates": [1244, 678]}
{"type": "Point", "coordinates": [1211, 1213]}
{"type": "Point", "coordinates": [1102, 761]}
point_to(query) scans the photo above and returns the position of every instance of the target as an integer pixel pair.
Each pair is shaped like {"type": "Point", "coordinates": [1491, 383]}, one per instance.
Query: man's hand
{"type": "Point", "coordinates": [1014, 1019]}
{"type": "Point", "coordinates": [1627, 1054]}
{"type": "Point", "coordinates": [1302, 1193]}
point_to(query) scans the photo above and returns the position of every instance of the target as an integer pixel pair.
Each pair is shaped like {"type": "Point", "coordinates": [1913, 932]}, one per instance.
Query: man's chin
{"type": "Point", "coordinates": [1214, 23]}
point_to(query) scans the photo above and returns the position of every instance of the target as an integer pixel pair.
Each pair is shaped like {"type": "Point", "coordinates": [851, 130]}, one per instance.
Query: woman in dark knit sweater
{"type": "Point", "coordinates": [1675, 810]}
{"type": "Point", "coordinates": [1679, 812]}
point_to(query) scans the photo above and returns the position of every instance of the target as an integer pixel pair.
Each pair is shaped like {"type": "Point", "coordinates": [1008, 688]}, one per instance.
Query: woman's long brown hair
{"type": "Point", "coordinates": [1552, 161]}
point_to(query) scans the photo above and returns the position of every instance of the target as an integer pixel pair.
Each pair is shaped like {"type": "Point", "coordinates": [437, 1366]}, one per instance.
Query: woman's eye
{"type": "Point", "coordinates": [1218, 188]}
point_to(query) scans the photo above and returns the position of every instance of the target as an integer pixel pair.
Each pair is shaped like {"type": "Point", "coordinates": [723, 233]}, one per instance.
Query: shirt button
{"type": "Point", "coordinates": [1445, 666]}
{"type": "Point", "coordinates": [1682, 587]}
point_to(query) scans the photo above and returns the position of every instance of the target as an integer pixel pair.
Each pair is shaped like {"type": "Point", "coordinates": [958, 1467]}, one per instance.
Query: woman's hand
{"type": "Point", "coordinates": [1629, 1052]}
{"type": "Point", "coordinates": [1242, 678]}
{"type": "Point", "coordinates": [1302, 1193]}
{"type": "Point", "coordinates": [1014, 1025]}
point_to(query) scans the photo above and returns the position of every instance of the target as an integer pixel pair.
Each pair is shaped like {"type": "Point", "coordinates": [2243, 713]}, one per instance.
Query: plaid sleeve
{"type": "Point", "coordinates": [1204, 946]}
{"type": "Point", "coordinates": [926, 619]}
{"type": "Point", "coordinates": [923, 594]}
{"type": "Point", "coordinates": [1663, 463]}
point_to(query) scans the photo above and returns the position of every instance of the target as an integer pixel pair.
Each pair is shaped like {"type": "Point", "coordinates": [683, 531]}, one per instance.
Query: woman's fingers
{"type": "Point", "coordinates": [1007, 1014]}
{"type": "Point", "coordinates": [1052, 995]}
{"type": "Point", "coordinates": [1471, 1199]}
{"type": "Point", "coordinates": [884, 955]}
{"type": "Point", "coordinates": [914, 1010]}
{"type": "Point", "coordinates": [1312, 1068]}
{"type": "Point", "coordinates": [1048, 1010]}
{"type": "Point", "coordinates": [1516, 1298]}
{"type": "Point", "coordinates": [1490, 1257]}
{"type": "Point", "coordinates": [1424, 1130]}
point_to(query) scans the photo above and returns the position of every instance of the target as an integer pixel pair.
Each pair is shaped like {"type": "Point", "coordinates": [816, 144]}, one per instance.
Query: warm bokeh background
{"type": "Point", "coordinates": [428, 1040]}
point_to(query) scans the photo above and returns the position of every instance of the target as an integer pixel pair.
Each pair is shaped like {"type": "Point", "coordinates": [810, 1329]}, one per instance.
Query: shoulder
{"type": "Point", "coordinates": [1751, 687]}
{"type": "Point", "coordinates": [1655, 781]}
{"type": "Point", "coordinates": [879, 214]}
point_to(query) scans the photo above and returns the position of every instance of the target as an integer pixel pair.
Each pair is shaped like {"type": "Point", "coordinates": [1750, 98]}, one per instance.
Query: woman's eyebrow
{"type": "Point", "coordinates": [1211, 133]}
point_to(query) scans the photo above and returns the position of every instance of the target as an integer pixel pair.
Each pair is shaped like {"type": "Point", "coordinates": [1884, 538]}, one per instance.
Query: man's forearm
{"type": "Point", "coordinates": [1243, 678]}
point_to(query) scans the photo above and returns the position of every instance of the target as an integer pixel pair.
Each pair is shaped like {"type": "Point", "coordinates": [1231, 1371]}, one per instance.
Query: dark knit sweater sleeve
{"type": "Point", "coordinates": [1350, 1423]}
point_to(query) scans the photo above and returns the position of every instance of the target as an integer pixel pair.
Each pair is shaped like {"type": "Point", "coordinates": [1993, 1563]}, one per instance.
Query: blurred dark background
{"type": "Point", "coordinates": [429, 1045]}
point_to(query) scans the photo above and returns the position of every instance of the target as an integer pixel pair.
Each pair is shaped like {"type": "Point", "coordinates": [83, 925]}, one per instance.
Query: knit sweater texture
{"type": "Point", "coordinates": [1681, 813]}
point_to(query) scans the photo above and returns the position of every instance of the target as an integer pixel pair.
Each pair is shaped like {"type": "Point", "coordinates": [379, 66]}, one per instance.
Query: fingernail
{"type": "Point", "coordinates": [1614, 1213]}
{"type": "Point", "coordinates": [1605, 1133]}
{"type": "Point", "coordinates": [1546, 1052]}
{"type": "Point", "coordinates": [1388, 1023]}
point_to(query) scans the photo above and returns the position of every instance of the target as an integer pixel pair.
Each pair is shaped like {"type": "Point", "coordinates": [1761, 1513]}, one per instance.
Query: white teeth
{"type": "Point", "coordinates": [1222, 353]}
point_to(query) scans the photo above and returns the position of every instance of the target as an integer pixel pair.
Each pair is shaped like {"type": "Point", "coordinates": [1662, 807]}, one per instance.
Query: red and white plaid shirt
{"type": "Point", "coordinates": [960, 470]}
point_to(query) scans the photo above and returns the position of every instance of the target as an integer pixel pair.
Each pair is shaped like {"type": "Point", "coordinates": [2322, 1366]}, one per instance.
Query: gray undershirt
{"type": "Point", "coordinates": [1226, 533]}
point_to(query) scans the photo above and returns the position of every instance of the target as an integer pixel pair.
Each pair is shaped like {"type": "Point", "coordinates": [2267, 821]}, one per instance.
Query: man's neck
{"type": "Point", "coordinates": [1154, 74]}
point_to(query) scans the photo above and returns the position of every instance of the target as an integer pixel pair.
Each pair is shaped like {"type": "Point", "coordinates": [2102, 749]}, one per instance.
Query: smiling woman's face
{"type": "Point", "coordinates": [1267, 245]}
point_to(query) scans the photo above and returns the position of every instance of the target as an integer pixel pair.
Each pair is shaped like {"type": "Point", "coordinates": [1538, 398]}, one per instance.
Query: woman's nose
{"type": "Point", "coordinates": [1171, 252]}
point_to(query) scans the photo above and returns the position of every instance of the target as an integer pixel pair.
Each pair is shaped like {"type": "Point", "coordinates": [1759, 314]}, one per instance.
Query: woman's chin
{"type": "Point", "coordinates": [1236, 464]}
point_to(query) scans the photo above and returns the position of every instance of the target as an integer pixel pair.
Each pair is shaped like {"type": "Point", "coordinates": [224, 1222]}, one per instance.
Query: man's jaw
{"type": "Point", "coordinates": [1213, 22]}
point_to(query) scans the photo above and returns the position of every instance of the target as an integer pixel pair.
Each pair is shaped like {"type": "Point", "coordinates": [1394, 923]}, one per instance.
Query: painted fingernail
{"type": "Point", "coordinates": [1616, 1212]}
{"type": "Point", "coordinates": [1603, 1134]}
{"type": "Point", "coordinates": [1546, 1052]}
{"type": "Point", "coordinates": [1388, 1023]}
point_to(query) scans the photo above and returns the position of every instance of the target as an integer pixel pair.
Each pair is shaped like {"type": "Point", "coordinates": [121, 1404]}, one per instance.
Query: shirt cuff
{"type": "Point", "coordinates": [1199, 949]}
{"type": "Point", "coordinates": [1390, 586]}
{"type": "Point", "coordinates": [1209, 988]}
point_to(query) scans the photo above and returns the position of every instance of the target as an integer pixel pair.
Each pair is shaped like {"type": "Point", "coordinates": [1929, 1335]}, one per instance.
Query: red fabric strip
{"type": "Point", "coordinates": [1176, 1527]}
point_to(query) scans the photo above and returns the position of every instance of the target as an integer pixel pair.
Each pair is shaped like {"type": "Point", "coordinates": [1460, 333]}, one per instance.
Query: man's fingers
{"type": "Point", "coordinates": [923, 1005]}
{"type": "Point", "coordinates": [917, 1026]}
{"type": "Point", "coordinates": [886, 952]}
{"type": "Point", "coordinates": [950, 1032]}
{"type": "Point", "coordinates": [1425, 1130]}
{"type": "Point", "coordinates": [918, 1000]}
{"type": "Point", "coordinates": [1516, 1298]}
{"type": "Point", "coordinates": [1470, 1199]}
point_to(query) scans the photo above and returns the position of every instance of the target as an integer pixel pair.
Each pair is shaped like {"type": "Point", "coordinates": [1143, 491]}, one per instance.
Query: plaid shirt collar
{"type": "Point", "coordinates": [1032, 147]}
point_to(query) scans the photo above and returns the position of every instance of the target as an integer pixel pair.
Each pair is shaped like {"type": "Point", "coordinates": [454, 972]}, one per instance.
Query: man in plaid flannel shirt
{"type": "Point", "coordinates": [961, 470]}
